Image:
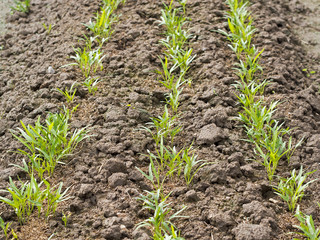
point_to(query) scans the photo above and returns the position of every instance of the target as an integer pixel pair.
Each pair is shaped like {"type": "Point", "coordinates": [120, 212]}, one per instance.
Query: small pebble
{"type": "Point", "coordinates": [51, 70]}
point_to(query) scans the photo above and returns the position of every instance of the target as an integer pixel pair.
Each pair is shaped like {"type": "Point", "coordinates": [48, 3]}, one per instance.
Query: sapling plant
{"type": "Point", "coordinates": [292, 189]}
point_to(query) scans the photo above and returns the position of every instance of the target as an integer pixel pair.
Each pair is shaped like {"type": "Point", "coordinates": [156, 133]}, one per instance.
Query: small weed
{"type": "Point", "coordinates": [21, 6]}
{"type": "Point", "coordinates": [69, 93]}
{"type": "Point", "coordinates": [292, 189]}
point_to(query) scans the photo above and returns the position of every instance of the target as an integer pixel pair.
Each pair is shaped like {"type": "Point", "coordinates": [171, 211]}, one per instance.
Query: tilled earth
{"type": "Point", "coordinates": [230, 199]}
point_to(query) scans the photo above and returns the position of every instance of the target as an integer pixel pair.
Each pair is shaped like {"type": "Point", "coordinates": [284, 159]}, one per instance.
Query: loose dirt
{"type": "Point", "coordinates": [4, 10]}
{"type": "Point", "coordinates": [230, 199]}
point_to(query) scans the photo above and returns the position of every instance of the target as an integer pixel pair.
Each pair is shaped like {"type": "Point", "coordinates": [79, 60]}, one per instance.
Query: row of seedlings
{"type": "Point", "coordinates": [167, 161]}
{"type": "Point", "coordinates": [265, 133]}
{"type": "Point", "coordinates": [51, 143]}
{"type": "Point", "coordinates": [89, 58]}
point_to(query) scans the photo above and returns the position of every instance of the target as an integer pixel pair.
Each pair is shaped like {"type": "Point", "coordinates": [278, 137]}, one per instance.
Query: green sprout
{"type": "Point", "coordinates": [21, 6]}
{"type": "Point", "coordinates": [69, 93]}
{"type": "Point", "coordinates": [292, 189]}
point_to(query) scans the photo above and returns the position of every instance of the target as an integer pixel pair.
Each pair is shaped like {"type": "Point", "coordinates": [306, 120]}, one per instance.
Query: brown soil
{"type": "Point", "coordinates": [230, 199]}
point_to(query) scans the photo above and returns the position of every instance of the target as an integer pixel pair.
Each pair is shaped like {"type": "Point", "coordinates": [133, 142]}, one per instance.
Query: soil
{"type": "Point", "coordinates": [230, 199]}
{"type": "Point", "coordinates": [4, 9]}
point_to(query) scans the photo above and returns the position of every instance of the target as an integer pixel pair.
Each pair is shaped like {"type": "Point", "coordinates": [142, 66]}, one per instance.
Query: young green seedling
{"type": "Point", "coordinates": [24, 199]}
{"type": "Point", "coordinates": [5, 227]}
{"type": "Point", "coordinates": [292, 189]}
{"type": "Point", "coordinates": [165, 126]}
{"type": "Point", "coordinates": [160, 222]}
{"type": "Point", "coordinates": [306, 227]}
{"type": "Point", "coordinates": [21, 6]}
{"type": "Point", "coordinates": [89, 61]}
{"type": "Point", "coordinates": [101, 27]}
{"type": "Point", "coordinates": [91, 84]}
{"type": "Point", "coordinates": [54, 196]}
{"type": "Point", "coordinates": [69, 93]}
{"type": "Point", "coordinates": [49, 143]}
{"type": "Point", "coordinates": [65, 218]}
{"type": "Point", "coordinates": [47, 28]}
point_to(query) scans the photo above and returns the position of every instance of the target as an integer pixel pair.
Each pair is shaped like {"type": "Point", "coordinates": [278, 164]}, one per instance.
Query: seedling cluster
{"type": "Point", "coordinates": [45, 145]}
{"type": "Point", "coordinates": [266, 134]}
{"type": "Point", "coordinates": [89, 57]}
{"type": "Point", "coordinates": [168, 161]}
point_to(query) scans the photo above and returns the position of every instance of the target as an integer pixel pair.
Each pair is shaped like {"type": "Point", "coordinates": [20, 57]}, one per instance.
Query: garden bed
{"type": "Point", "coordinates": [229, 199]}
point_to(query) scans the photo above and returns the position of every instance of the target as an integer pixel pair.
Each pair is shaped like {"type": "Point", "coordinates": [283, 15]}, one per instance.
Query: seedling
{"type": "Point", "coordinates": [192, 165]}
{"type": "Point", "coordinates": [47, 145]}
{"type": "Point", "coordinates": [275, 147]}
{"type": "Point", "coordinates": [183, 4]}
{"type": "Point", "coordinates": [154, 174]}
{"type": "Point", "coordinates": [21, 6]}
{"type": "Point", "coordinates": [15, 236]}
{"type": "Point", "coordinates": [160, 222]}
{"type": "Point", "coordinates": [306, 227]}
{"type": "Point", "coordinates": [89, 61]}
{"type": "Point", "coordinates": [113, 3]}
{"type": "Point", "coordinates": [5, 227]}
{"type": "Point", "coordinates": [165, 126]}
{"type": "Point", "coordinates": [47, 28]}
{"type": "Point", "coordinates": [54, 196]}
{"type": "Point", "coordinates": [308, 73]}
{"type": "Point", "coordinates": [101, 27]}
{"type": "Point", "coordinates": [65, 218]}
{"type": "Point", "coordinates": [24, 199]}
{"type": "Point", "coordinates": [69, 93]}
{"type": "Point", "coordinates": [91, 83]}
{"type": "Point", "coordinates": [292, 189]}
